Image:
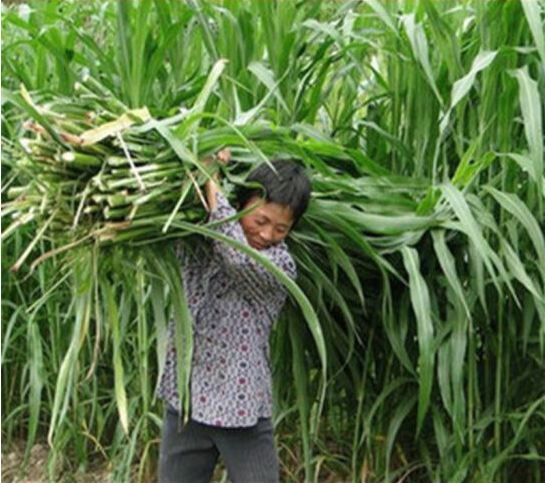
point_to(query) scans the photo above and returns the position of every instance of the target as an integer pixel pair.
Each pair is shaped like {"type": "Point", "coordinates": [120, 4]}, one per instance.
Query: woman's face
{"type": "Point", "coordinates": [268, 224]}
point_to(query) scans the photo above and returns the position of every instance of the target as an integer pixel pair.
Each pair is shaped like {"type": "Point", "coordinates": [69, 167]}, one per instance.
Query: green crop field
{"type": "Point", "coordinates": [412, 348]}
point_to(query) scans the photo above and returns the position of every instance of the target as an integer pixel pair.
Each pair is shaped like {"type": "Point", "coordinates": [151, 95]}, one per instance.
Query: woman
{"type": "Point", "coordinates": [234, 301]}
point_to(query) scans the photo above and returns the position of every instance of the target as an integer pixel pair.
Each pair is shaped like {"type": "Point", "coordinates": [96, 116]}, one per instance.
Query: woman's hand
{"type": "Point", "coordinates": [223, 157]}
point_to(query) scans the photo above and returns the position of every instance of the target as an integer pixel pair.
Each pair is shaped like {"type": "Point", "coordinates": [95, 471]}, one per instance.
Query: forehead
{"type": "Point", "coordinates": [275, 212]}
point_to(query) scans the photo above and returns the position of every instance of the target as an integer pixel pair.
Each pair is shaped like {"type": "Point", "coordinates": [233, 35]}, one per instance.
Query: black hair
{"type": "Point", "coordinates": [288, 186]}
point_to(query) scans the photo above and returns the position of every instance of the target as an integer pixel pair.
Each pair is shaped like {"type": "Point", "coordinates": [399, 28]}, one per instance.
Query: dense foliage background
{"type": "Point", "coordinates": [420, 355]}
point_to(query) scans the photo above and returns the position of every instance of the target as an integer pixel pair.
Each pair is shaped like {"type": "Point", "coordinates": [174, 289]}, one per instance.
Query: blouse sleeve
{"type": "Point", "coordinates": [256, 278]}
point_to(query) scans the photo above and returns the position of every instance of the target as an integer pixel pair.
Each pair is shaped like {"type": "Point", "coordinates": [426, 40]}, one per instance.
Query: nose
{"type": "Point", "coordinates": [266, 234]}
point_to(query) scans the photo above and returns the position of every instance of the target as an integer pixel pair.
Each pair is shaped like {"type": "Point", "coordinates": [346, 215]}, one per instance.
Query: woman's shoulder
{"type": "Point", "coordinates": [281, 256]}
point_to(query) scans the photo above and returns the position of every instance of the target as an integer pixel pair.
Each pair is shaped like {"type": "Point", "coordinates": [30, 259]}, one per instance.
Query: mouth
{"type": "Point", "coordinates": [257, 245]}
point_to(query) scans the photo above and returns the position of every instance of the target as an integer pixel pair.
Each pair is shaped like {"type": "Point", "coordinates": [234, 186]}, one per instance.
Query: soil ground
{"type": "Point", "coordinates": [12, 460]}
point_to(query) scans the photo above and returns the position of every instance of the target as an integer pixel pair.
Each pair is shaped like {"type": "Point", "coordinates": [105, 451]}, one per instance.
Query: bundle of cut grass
{"type": "Point", "coordinates": [93, 168]}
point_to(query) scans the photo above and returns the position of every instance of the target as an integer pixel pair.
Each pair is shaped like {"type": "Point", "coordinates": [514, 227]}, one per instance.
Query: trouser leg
{"type": "Point", "coordinates": [186, 456]}
{"type": "Point", "coordinates": [249, 453]}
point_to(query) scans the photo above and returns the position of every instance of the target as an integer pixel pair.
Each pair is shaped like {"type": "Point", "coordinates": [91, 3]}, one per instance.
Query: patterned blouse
{"type": "Point", "coordinates": [234, 301]}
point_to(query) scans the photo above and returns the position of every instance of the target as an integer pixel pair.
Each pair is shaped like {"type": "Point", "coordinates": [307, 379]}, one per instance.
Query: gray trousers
{"type": "Point", "coordinates": [189, 453]}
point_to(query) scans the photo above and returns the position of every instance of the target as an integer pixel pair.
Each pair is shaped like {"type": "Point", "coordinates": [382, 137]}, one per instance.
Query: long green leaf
{"type": "Point", "coordinates": [420, 299]}
{"type": "Point", "coordinates": [112, 314]}
{"type": "Point", "coordinates": [532, 11]}
{"type": "Point", "coordinates": [531, 105]}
